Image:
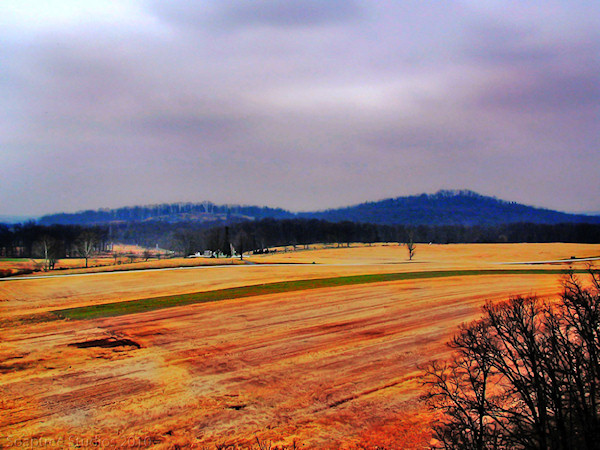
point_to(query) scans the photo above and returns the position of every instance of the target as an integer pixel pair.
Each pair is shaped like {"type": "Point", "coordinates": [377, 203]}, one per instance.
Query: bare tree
{"type": "Point", "coordinates": [525, 376]}
{"type": "Point", "coordinates": [86, 244]}
{"type": "Point", "coordinates": [214, 241]}
{"type": "Point", "coordinates": [49, 249]}
{"type": "Point", "coordinates": [410, 245]}
{"type": "Point", "coordinates": [462, 391]}
{"type": "Point", "coordinates": [186, 241]}
{"type": "Point", "coordinates": [242, 243]}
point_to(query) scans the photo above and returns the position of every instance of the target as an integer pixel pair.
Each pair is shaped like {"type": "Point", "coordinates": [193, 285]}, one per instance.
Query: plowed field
{"type": "Point", "coordinates": [333, 367]}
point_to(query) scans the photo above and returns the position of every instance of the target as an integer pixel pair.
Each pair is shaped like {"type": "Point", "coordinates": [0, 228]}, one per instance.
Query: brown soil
{"type": "Point", "coordinates": [326, 368]}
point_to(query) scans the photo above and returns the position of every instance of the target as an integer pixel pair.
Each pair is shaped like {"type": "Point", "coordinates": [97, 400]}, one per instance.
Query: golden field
{"type": "Point", "coordinates": [333, 367]}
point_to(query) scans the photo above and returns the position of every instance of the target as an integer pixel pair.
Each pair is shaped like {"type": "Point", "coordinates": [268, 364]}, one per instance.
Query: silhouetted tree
{"type": "Point", "coordinates": [410, 244]}
{"type": "Point", "coordinates": [147, 254]}
{"type": "Point", "coordinates": [186, 242]}
{"type": "Point", "coordinates": [526, 375]}
{"type": "Point", "coordinates": [242, 243]}
{"type": "Point", "coordinates": [226, 246]}
{"type": "Point", "coordinates": [214, 241]}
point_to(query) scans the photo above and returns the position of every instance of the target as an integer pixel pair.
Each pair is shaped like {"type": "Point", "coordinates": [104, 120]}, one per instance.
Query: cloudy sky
{"type": "Point", "coordinates": [303, 104]}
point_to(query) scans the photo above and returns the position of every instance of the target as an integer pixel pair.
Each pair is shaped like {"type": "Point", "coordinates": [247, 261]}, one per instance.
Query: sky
{"type": "Point", "coordinates": [301, 104]}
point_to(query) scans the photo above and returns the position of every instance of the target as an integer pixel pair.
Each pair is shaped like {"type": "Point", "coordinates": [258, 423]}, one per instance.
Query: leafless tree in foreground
{"type": "Point", "coordinates": [525, 376]}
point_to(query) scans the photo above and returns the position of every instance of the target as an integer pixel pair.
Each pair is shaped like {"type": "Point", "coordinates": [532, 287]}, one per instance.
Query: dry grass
{"type": "Point", "coordinates": [434, 256]}
{"type": "Point", "coordinates": [329, 368]}
{"type": "Point", "coordinates": [438, 257]}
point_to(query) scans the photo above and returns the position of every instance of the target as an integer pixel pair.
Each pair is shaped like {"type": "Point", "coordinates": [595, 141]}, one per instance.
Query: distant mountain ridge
{"type": "Point", "coordinates": [447, 207]}
{"type": "Point", "coordinates": [167, 212]}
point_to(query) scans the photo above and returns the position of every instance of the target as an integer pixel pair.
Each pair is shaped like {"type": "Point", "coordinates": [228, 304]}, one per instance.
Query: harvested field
{"type": "Point", "coordinates": [431, 256]}
{"type": "Point", "coordinates": [331, 367]}
{"type": "Point", "coordinates": [435, 255]}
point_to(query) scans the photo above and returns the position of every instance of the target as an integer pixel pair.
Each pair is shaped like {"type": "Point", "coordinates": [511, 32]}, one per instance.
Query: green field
{"type": "Point", "coordinates": [150, 304]}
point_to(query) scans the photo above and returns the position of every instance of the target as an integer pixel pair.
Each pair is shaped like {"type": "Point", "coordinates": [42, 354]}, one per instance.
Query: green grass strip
{"type": "Point", "coordinates": [169, 301]}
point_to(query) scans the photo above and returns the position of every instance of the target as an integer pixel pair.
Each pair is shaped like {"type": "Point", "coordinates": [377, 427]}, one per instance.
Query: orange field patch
{"type": "Point", "coordinates": [441, 256]}
{"type": "Point", "coordinates": [325, 368]}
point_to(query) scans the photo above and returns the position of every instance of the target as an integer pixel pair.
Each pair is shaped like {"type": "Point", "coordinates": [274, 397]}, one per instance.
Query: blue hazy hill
{"type": "Point", "coordinates": [449, 208]}
{"type": "Point", "coordinates": [442, 208]}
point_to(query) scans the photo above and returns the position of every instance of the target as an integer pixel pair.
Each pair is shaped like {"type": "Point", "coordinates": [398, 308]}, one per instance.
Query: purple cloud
{"type": "Point", "coordinates": [300, 104]}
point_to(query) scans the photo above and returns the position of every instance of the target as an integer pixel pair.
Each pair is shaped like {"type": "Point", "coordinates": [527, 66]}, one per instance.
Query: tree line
{"type": "Point", "coordinates": [33, 240]}
{"type": "Point", "coordinates": [260, 235]}
{"type": "Point", "coordinates": [53, 242]}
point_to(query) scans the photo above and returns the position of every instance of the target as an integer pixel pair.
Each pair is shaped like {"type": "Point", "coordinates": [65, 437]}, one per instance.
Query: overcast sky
{"type": "Point", "coordinates": [303, 104]}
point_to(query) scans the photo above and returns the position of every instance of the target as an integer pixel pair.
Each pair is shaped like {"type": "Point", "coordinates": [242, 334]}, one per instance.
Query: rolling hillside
{"type": "Point", "coordinates": [441, 208]}
{"type": "Point", "coordinates": [168, 212]}
{"type": "Point", "coordinates": [449, 208]}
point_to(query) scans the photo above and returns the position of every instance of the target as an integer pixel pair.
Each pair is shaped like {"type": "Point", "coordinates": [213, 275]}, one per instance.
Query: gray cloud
{"type": "Point", "coordinates": [299, 104]}
{"type": "Point", "coordinates": [272, 13]}
{"type": "Point", "coordinates": [548, 91]}
{"type": "Point", "coordinates": [289, 13]}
